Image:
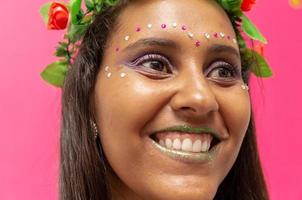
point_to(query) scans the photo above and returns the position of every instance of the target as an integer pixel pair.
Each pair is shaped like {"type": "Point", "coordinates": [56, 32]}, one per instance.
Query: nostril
{"type": "Point", "coordinates": [187, 108]}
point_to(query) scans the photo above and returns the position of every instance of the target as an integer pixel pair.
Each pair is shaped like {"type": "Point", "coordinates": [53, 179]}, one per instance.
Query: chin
{"type": "Point", "coordinates": [182, 193]}
{"type": "Point", "coordinates": [185, 194]}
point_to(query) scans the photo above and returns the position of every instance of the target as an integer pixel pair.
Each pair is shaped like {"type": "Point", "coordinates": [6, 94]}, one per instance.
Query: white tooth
{"type": "Point", "coordinates": [186, 145]}
{"type": "Point", "coordinates": [197, 146]}
{"type": "Point", "coordinates": [204, 146]}
{"type": "Point", "coordinates": [169, 143]}
{"type": "Point", "coordinates": [208, 141]}
{"type": "Point", "coordinates": [177, 144]}
{"type": "Point", "coordinates": [162, 143]}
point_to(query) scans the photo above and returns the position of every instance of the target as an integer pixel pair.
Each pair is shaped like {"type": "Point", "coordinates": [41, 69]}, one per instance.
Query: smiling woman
{"type": "Point", "coordinates": [156, 106]}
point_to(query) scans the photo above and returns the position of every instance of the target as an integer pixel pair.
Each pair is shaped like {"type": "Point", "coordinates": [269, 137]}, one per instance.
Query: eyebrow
{"type": "Point", "coordinates": [218, 48]}
{"type": "Point", "coordinates": [152, 42]}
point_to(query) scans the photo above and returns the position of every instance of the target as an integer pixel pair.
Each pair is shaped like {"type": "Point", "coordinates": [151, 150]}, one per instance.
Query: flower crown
{"type": "Point", "coordinates": [72, 16]}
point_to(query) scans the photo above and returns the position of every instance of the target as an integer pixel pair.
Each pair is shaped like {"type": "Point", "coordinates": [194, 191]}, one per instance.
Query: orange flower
{"type": "Point", "coordinates": [259, 48]}
{"type": "Point", "coordinates": [58, 16]}
{"type": "Point", "coordinates": [247, 5]}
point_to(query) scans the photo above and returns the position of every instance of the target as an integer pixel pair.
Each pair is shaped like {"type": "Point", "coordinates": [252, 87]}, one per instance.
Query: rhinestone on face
{"type": "Point", "coordinates": [123, 75]}
{"type": "Point", "coordinates": [216, 35]}
{"type": "Point", "coordinates": [183, 28]}
{"type": "Point", "coordinates": [174, 25]}
{"type": "Point", "coordinates": [197, 43]}
{"type": "Point", "coordinates": [138, 29]}
{"type": "Point", "coordinates": [245, 87]}
{"type": "Point", "coordinates": [222, 35]}
{"type": "Point", "coordinates": [149, 26]}
{"type": "Point", "coordinates": [191, 35]}
{"type": "Point", "coordinates": [109, 75]}
{"type": "Point", "coordinates": [235, 41]}
{"type": "Point", "coordinates": [163, 26]}
{"type": "Point", "coordinates": [117, 49]}
{"type": "Point", "coordinates": [127, 38]}
{"type": "Point", "coordinates": [207, 35]}
{"type": "Point", "coordinates": [107, 68]}
{"type": "Point", "coordinates": [229, 37]}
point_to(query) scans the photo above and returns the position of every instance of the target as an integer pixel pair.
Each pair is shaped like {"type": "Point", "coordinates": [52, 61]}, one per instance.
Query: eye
{"type": "Point", "coordinates": [153, 62]}
{"type": "Point", "coordinates": [223, 71]}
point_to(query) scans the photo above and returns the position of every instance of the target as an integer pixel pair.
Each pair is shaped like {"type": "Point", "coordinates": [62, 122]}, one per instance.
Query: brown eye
{"type": "Point", "coordinates": [155, 65]}
{"type": "Point", "coordinates": [223, 71]}
{"type": "Point", "coordinates": [154, 62]}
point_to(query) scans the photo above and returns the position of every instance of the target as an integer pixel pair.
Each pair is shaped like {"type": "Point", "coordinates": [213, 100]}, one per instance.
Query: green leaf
{"type": "Point", "coordinates": [75, 10]}
{"type": "Point", "coordinates": [111, 2]}
{"type": "Point", "coordinates": [251, 30]}
{"type": "Point", "coordinates": [63, 44]}
{"type": "Point", "coordinates": [76, 32]}
{"type": "Point", "coordinates": [230, 5]}
{"type": "Point", "coordinates": [44, 10]}
{"type": "Point", "coordinates": [61, 51]}
{"type": "Point", "coordinates": [89, 5]}
{"type": "Point", "coordinates": [259, 65]}
{"type": "Point", "coordinates": [55, 73]}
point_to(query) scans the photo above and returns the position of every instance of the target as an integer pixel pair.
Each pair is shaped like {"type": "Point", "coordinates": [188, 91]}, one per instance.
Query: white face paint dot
{"type": "Point", "coordinates": [149, 25]}
{"type": "Point", "coordinates": [123, 75]}
{"type": "Point", "coordinates": [174, 25]}
{"type": "Point", "coordinates": [107, 68]}
{"type": "Point", "coordinates": [109, 75]}
{"type": "Point", "coordinates": [191, 35]}
{"type": "Point", "coordinates": [127, 37]}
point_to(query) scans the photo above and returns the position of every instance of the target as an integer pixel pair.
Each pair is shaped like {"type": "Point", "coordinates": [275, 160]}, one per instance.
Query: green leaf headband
{"type": "Point", "coordinates": [60, 15]}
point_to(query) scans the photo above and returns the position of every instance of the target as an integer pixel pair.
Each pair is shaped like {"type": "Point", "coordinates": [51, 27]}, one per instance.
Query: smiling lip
{"type": "Point", "coordinates": [188, 157]}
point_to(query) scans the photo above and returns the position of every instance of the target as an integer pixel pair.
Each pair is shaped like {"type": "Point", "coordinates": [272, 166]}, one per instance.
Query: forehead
{"type": "Point", "coordinates": [195, 17]}
{"type": "Point", "coordinates": [195, 13]}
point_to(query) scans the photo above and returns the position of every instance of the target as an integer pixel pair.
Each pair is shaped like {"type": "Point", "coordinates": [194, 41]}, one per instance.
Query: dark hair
{"type": "Point", "coordinates": [83, 166]}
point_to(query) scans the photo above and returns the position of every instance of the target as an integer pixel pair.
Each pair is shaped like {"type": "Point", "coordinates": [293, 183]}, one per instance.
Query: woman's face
{"type": "Point", "coordinates": [170, 106]}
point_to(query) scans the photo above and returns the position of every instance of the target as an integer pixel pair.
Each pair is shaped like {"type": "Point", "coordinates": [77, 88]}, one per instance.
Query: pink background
{"type": "Point", "coordinates": [30, 109]}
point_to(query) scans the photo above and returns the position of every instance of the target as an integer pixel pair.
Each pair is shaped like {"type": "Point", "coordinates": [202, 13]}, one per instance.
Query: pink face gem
{"type": "Point", "coordinates": [138, 29]}
{"type": "Point", "coordinates": [216, 35]}
{"type": "Point", "coordinates": [117, 49]}
{"type": "Point", "coordinates": [229, 37]}
{"type": "Point", "coordinates": [163, 26]}
{"type": "Point", "coordinates": [197, 43]}
{"type": "Point", "coordinates": [183, 27]}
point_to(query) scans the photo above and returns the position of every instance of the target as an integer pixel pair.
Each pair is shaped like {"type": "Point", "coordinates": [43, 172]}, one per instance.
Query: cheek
{"type": "Point", "coordinates": [123, 108]}
{"type": "Point", "coordinates": [235, 110]}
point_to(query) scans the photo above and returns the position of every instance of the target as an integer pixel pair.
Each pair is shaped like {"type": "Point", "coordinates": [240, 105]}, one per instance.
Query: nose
{"type": "Point", "coordinates": [194, 98]}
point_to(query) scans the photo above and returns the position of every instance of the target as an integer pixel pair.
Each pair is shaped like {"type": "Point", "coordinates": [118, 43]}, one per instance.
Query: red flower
{"type": "Point", "coordinates": [246, 5]}
{"type": "Point", "coordinates": [58, 16]}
